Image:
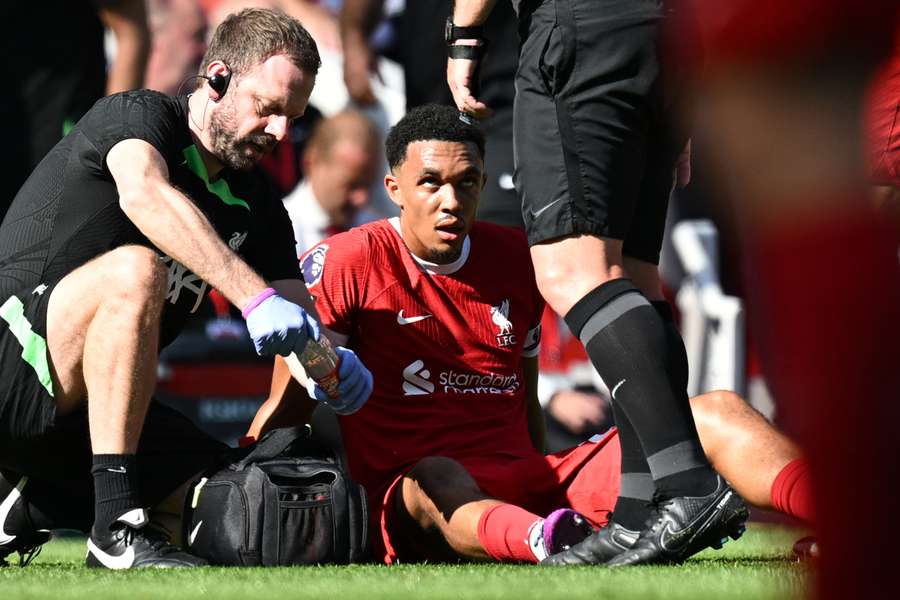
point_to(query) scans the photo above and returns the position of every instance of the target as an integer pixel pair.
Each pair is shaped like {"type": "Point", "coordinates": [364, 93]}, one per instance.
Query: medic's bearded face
{"type": "Point", "coordinates": [437, 188]}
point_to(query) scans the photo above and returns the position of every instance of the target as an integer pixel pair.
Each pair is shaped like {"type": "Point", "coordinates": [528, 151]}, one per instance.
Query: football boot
{"type": "Point", "coordinates": [685, 525]}
{"type": "Point", "coordinates": [17, 532]}
{"type": "Point", "coordinates": [130, 544]}
{"type": "Point", "coordinates": [561, 529]}
{"type": "Point", "coordinates": [607, 543]}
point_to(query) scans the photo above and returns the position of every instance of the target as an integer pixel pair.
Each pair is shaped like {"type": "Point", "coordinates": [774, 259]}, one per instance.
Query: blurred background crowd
{"type": "Point", "coordinates": [380, 58]}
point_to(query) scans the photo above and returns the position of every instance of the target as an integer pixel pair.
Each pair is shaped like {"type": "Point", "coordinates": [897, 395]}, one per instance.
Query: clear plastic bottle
{"type": "Point", "coordinates": [321, 363]}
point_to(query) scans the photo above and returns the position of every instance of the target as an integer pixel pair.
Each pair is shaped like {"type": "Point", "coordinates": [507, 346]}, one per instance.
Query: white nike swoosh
{"type": "Point", "coordinates": [536, 213]}
{"type": "Point", "coordinates": [193, 535]}
{"type": "Point", "coordinates": [406, 321]}
{"type": "Point", "coordinates": [615, 389]}
{"type": "Point", "coordinates": [117, 469]}
{"type": "Point", "coordinates": [6, 507]}
{"type": "Point", "coordinates": [123, 561]}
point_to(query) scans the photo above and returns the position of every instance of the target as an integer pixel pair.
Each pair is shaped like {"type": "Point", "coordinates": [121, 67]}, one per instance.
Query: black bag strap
{"type": "Point", "coordinates": [272, 444]}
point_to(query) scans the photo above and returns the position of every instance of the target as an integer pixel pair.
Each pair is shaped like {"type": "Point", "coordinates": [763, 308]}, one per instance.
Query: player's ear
{"type": "Point", "coordinates": [392, 186]}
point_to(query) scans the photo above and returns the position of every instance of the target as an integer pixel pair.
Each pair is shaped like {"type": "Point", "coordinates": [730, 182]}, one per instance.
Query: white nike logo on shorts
{"type": "Point", "coordinates": [6, 507]}
{"type": "Point", "coordinates": [407, 320]}
{"type": "Point", "coordinates": [536, 213]}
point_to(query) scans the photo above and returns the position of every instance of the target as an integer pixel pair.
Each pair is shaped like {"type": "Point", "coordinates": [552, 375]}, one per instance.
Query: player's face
{"type": "Point", "coordinates": [437, 189]}
{"type": "Point", "coordinates": [256, 110]}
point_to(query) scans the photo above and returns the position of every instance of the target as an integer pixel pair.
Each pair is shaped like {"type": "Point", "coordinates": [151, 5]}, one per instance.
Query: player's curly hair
{"type": "Point", "coordinates": [250, 37]}
{"type": "Point", "coordinates": [429, 122]}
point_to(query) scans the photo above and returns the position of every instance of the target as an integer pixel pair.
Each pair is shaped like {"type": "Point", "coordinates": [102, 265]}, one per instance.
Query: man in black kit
{"type": "Point", "coordinates": [107, 249]}
{"type": "Point", "coordinates": [596, 159]}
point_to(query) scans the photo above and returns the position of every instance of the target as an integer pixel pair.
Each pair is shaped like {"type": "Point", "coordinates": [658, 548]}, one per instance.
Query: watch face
{"type": "Point", "coordinates": [448, 30]}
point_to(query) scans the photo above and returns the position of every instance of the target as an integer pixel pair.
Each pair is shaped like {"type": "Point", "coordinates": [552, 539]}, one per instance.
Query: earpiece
{"type": "Point", "coordinates": [219, 83]}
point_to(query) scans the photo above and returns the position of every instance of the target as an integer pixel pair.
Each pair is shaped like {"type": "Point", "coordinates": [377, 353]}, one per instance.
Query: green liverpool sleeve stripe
{"type": "Point", "coordinates": [34, 347]}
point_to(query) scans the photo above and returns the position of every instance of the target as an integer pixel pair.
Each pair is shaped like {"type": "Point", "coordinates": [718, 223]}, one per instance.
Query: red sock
{"type": "Point", "coordinates": [503, 532]}
{"type": "Point", "coordinates": [792, 491]}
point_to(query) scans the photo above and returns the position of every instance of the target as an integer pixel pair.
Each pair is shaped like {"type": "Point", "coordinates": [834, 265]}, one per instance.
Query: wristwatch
{"type": "Point", "coordinates": [452, 33]}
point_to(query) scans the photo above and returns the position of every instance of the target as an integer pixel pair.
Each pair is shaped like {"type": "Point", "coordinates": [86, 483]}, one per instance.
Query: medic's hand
{"type": "Point", "coordinates": [276, 325]}
{"type": "Point", "coordinates": [354, 388]}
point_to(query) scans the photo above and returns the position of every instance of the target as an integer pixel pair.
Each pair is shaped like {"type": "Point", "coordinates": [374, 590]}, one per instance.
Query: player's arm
{"type": "Point", "coordinates": [127, 20]}
{"type": "Point", "coordinates": [174, 224]}
{"type": "Point", "coordinates": [288, 403]}
{"type": "Point", "coordinates": [537, 429]}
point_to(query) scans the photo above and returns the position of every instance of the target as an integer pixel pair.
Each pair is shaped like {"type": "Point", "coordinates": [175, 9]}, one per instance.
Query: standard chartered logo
{"type": "Point", "coordinates": [416, 381]}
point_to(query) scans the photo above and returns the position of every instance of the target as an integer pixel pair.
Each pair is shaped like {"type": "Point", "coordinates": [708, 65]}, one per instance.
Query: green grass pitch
{"type": "Point", "coordinates": [756, 566]}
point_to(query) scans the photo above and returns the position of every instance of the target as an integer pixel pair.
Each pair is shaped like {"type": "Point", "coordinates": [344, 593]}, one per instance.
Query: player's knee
{"type": "Point", "coordinates": [563, 283]}
{"type": "Point", "coordinates": [715, 407]}
{"type": "Point", "coordinates": [436, 475]}
{"type": "Point", "coordinates": [139, 275]}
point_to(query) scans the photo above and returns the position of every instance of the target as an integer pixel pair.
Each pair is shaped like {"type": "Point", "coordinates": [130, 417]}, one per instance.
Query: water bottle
{"type": "Point", "coordinates": [321, 364]}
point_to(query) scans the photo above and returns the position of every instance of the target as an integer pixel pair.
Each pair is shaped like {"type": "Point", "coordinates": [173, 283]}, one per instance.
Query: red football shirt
{"type": "Point", "coordinates": [444, 344]}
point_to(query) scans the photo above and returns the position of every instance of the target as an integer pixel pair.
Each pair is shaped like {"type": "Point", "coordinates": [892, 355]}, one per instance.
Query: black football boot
{"type": "Point", "coordinates": [597, 549]}
{"type": "Point", "coordinates": [131, 545]}
{"type": "Point", "coordinates": [685, 525]}
{"type": "Point", "coordinates": [17, 532]}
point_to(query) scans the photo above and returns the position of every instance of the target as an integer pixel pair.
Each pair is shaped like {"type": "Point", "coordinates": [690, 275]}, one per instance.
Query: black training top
{"type": "Point", "coordinates": [68, 210]}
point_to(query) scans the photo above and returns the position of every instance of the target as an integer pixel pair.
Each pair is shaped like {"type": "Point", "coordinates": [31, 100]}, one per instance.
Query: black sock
{"type": "Point", "coordinates": [677, 368]}
{"type": "Point", "coordinates": [627, 342]}
{"type": "Point", "coordinates": [636, 486]}
{"type": "Point", "coordinates": [115, 488]}
{"type": "Point", "coordinates": [676, 355]}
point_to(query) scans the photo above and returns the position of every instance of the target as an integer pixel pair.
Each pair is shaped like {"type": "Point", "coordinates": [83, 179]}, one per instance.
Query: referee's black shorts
{"type": "Point", "coordinates": [594, 146]}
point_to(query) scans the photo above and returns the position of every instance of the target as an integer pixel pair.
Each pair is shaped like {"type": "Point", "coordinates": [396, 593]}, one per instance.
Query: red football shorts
{"type": "Point", "coordinates": [584, 478]}
{"type": "Point", "coordinates": [883, 125]}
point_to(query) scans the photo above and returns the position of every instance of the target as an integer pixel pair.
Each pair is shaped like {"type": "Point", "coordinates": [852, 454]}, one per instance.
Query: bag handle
{"type": "Point", "coordinates": [273, 444]}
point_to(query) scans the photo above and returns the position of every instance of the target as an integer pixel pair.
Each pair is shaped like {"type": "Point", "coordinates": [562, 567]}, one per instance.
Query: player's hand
{"type": "Point", "coordinates": [577, 411]}
{"type": "Point", "coordinates": [461, 75]}
{"type": "Point", "coordinates": [278, 326]}
{"type": "Point", "coordinates": [354, 387]}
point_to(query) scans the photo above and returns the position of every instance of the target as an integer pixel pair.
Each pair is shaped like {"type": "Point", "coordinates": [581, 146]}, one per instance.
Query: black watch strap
{"type": "Point", "coordinates": [453, 33]}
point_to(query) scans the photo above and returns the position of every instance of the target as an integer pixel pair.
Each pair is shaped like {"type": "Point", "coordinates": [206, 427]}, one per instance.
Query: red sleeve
{"type": "Point", "coordinates": [335, 273]}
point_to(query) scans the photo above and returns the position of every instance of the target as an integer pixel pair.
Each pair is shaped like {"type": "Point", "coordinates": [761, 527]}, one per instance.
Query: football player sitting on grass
{"type": "Point", "coordinates": [445, 313]}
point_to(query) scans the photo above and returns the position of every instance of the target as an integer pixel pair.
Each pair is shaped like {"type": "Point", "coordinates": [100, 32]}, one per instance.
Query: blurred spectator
{"type": "Point", "coordinates": [179, 40]}
{"type": "Point", "coordinates": [422, 52]}
{"type": "Point", "coordinates": [781, 90]}
{"type": "Point", "coordinates": [340, 165]}
{"type": "Point", "coordinates": [54, 60]}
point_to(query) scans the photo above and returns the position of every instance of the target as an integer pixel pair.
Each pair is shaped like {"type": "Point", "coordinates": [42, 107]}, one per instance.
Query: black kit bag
{"type": "Point", "coordinates": [286, 501]}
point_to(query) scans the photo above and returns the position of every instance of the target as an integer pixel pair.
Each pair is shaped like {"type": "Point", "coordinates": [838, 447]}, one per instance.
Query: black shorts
{"type": "Point", "coordinates": [594, 146]}
{"type": "Point", "coordinates": [58, 464]}
{"type": "Point", "coordinates": [27, 407]}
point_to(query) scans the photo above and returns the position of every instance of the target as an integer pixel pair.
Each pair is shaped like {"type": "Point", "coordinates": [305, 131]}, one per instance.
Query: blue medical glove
{"type": "Point", "coordinates": [278, 326]}
{"type": "Point", "coordinates": [354, 387]}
